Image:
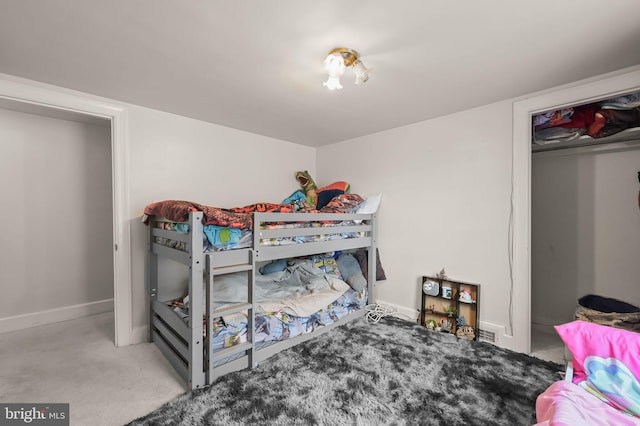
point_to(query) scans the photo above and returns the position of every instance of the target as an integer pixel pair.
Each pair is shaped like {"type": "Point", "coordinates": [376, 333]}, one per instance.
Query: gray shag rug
{"type": "Point", "coordinates": [393, 372]}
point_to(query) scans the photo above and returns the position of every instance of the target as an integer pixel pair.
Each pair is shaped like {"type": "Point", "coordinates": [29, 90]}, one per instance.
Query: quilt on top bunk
{"type": "Point", "coordinates": [226, 229]}
{"type": "Point", "coordinates": [290, 302]}
{"type": "Point", "coordinates": [241, 217]}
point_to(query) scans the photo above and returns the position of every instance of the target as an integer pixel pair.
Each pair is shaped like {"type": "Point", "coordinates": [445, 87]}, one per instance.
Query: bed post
{"type": "Point", "coordinates": [196, 296]}
{"type": "Point", "coordinates": [152, 282]}
{"type": "Point", "coordinates": [251, 327]}
{"type": "Point", "coordinates": [372, 257]}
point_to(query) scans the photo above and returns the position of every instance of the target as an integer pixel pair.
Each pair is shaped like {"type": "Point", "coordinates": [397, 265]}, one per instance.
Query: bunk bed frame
{"type": "Point", "coordinates": [186, 346]}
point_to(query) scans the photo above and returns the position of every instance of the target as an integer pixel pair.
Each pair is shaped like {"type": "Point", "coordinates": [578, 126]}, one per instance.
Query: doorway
{"type": "Point", "coordinates": [586, 91]}
{"type": "Point", "coordinates": [55, 101]}
{"type": "Point", "coordinates": [57, 170]}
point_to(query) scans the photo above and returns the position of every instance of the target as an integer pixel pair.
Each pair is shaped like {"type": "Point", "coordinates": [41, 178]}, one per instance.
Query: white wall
{"type": "Point", "coordinates": [56, 214]}
{"type": "Point", "coordinates": [446, 187]}
{"type": "Point", "coordinates": [585, 231]}
{"type": "Point", "coordinates": [173, 157]}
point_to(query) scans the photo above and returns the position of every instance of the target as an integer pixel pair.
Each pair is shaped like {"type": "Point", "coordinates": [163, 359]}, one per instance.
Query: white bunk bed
{"type": "Point", "coordinates": [185, 343]}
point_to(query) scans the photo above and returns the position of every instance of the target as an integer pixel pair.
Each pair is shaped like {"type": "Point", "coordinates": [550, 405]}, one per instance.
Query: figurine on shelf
{"type": "Point", "coordinates": [450, 311]}
{"type": "Point", "coordinates": [467, 332]}
{"type": "Point", "coordinates": [445, 325]}
{"type": "Point", "coordinates": [465, 296]}
{"type": "Point", "coordinates": [442, 275]}
{"type": "Point", "coordinates": [431, 324]}
{"type": "Point", "coordinates": [461, 322]}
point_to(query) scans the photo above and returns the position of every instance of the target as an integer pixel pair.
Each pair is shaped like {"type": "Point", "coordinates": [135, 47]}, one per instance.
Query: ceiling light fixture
{"type": "Point", "coordinates": [337, 62]}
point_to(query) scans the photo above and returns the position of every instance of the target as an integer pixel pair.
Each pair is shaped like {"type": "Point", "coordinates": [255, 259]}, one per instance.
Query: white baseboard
{"type": "Point", "coordinates": [500, 331]}
{"type": "Point", "coordinates": [20, 322]}
{"type": "Point", "coordinates": [545, 324]}
{"type": "Point", "coordinates": [401, 311]}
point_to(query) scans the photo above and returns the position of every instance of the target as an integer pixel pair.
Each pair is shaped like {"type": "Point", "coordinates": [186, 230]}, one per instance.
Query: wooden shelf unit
{"type": "Point", "coordinates": [454, 303]}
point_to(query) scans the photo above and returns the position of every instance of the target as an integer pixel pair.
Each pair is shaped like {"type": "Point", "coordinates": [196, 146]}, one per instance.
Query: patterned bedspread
{"type": "Point", "coordinates": [276, 326]}
{"type": "Point", "coordinates": [239, 217]}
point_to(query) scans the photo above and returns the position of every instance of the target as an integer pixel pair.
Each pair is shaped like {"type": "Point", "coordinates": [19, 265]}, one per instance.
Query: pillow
{"type": "Point", "coordinates": [351, 272]}
{"type": "Point", "coordinates": [605, 359]}
{"type": "Point", "coordinates": [275, 266]}
{"type": "Point", "coordinates": [363, 259]}
{"type": "Point", "coordinates": [327, 263]}
{"type": "Point", "coordinates": [175, 210]}
{"type": "Point", "coordinates": [370, 204]}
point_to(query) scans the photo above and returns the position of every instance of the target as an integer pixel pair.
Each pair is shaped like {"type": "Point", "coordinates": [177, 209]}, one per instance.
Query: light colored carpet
{"type": "Point", "coordinates": [76, 362]}
{"type": "Point", "coordinates": [548, 346]}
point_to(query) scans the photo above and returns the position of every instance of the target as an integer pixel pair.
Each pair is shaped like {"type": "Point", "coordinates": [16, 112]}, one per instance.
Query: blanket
{"type": "Point", "coordinates": [178, 211]}
{"type": "Point", "coordinates": [300, 290]}
{"type": "Point", "coordinates": [239, 217]}
{"type": "Point", "coordinates": [567, 404]}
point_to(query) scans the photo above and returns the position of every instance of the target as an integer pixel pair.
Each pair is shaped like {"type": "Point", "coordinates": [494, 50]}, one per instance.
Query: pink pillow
{"type": "Point", "coordinates": [590, 339]}
{"type": "Point", "coordinates": [606, 362]}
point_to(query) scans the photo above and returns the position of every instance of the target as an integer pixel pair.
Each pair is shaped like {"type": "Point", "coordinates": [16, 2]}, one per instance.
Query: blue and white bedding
{"type": "Point", "coordinates": [302, 296]}
{"type": "Point", "coordinates": [280, 325]}
{"type": "Point", "coordinates": [300, 289]}
{"type": "Point", "coordinates": [217, 238]}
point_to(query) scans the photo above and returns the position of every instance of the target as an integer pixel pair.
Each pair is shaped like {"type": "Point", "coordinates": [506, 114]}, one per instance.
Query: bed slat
{"type": "Point", "coordinates": [168, 335]}
{"type": "Point", "coordinates": [229, 367]}
{"type": "Point", "coordinates": [232, 350]}
{"type": "Point", "coordinates": [307, 217]}
{"type": "Point", "coordinates": [311, 231]}
{"type": "Point", "coordinates": [220, 259]}
{"type": "Point", "coordinates": [171, 253]}
{"type": "Point", "coordinates": [172, 235]}
{"type": "Point", "coordinates": [265, 252]}
{"type": "Point", "coordinates": [231, 269]}
{"type": "Point", "coordinates": [170, 317]}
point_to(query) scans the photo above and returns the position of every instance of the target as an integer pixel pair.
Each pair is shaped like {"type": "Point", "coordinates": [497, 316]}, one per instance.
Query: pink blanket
{"type": "Point", "coordinates": [567, 404]}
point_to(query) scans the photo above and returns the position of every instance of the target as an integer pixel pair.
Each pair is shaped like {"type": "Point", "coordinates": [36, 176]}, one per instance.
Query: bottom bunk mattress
{"type": "Point", "coordinates": [291, 298]}
{"type": "Point", "coordinates": [280, 325]}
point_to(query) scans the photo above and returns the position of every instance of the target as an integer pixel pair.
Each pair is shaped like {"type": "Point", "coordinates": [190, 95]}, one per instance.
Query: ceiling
{"type": "Point", "coordinates": [257, 65]}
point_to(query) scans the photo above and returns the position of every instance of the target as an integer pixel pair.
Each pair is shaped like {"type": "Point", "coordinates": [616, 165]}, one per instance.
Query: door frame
{"type": "Point", "coordinates": [584, 91]}
{"type": "Point", "coordinates": [31, 92]}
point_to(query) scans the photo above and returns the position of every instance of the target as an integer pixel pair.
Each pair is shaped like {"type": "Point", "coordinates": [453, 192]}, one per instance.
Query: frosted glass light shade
{"type": "Point", "coordinates": [362, 74]}
{"type": "Point", "coordinates": [333, 83]}
{"type": "Point", "coordinates": [334, 64]}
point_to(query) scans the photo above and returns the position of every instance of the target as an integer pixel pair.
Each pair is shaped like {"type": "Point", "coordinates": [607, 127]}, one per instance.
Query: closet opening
{"type": "Point", "coordinates": [584, 234]}
{"type": "Point", "coordinates": [586, 91]}
{"type": "Point", "coordinates": [60, 168]}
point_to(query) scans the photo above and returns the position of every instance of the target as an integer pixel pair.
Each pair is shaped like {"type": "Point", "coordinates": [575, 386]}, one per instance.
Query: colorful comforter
{"type": "Point", "coordinates": [604, 388]}
{"type": "Point", "coordinates": [567, 404]}
{"type": "Point", "coordinates": [280, 325]}
{"type": "Point", "coordinates": [230, 229]}
{"type": "Point", "coordinates": [240, 217]}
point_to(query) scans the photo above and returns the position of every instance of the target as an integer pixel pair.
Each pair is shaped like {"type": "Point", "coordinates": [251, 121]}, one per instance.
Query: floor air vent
{"type": "Point", "coordinates": [486, 336]}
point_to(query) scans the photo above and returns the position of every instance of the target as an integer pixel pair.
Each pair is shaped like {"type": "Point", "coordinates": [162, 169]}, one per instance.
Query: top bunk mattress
{"type": "Point", "coordinates": [257, 225]}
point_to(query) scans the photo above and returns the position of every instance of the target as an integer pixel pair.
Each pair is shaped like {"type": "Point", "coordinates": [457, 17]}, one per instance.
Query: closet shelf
{"type": "Point", "coordinates": [624, 139]}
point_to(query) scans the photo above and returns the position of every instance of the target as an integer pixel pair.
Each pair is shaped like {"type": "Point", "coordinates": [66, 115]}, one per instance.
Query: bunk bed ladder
{"type": "Point", "coordinates": [228, 354]}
